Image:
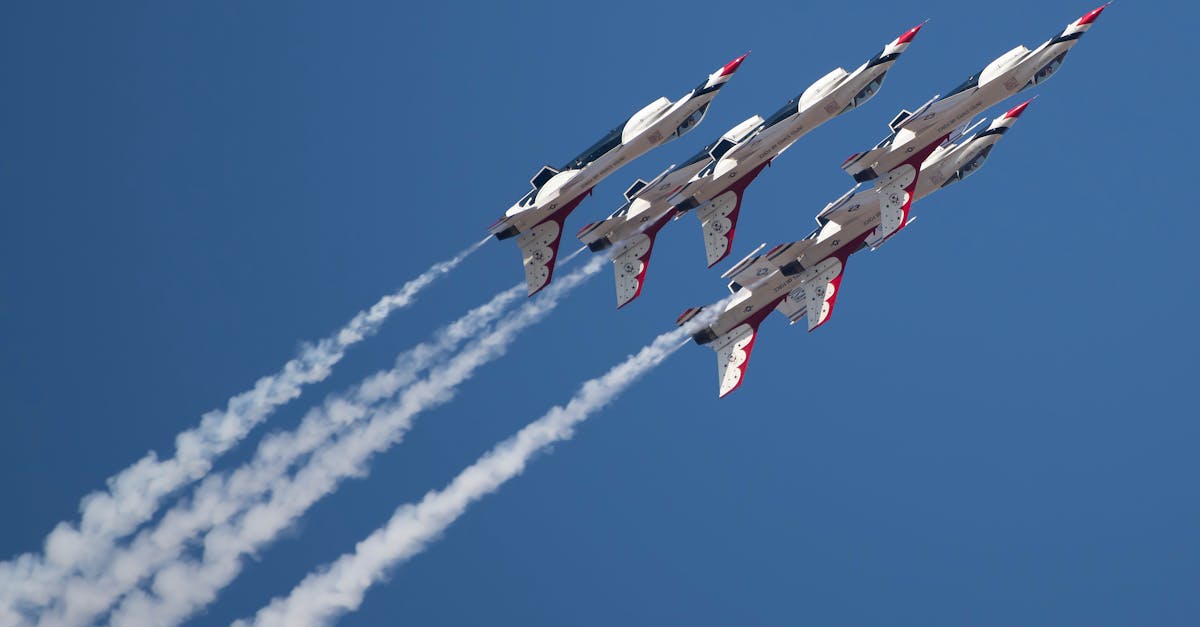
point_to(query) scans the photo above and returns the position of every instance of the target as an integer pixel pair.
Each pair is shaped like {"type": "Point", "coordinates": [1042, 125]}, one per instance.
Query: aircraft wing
{"type": "Point", "coordinates": [718, 217]}
{"type": "Point", "coordinates": [815, 298]}
{"type": "Point", "coordinates": [718, 220]}
{"type": "Point", "coordinates": [896, 190]}
{"type": "Point", "coordinates": [820, 292]}
{"type": "Point", "coordinates": [733, 353]}
{"type": "Point", "coordinates": [539, 250]}
{"type": "Point", "coordinates": [632, 258]}
{"type": "Point", "coordinates": [539, 245]}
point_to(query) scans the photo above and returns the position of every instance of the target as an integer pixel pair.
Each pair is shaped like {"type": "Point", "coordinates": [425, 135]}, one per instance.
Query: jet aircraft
{"type": "Point", "coordinates": [538, 217]}
{"type": "Point", "coordinates": [896, 161]}
{"type": "Point", "coordinates": [714, 179]}
{"type": "Point", "coordinates": [802, 279]}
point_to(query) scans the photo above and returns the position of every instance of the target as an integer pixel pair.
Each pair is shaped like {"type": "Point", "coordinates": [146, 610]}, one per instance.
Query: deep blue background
{"type": "Point", "coordinates": [998, 426]}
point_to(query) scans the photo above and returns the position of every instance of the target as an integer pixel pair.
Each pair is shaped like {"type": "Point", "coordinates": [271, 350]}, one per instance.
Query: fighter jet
{"type": "Point", "coordinates": [896, 160]}
{"type": "Point", "coordinates": [538, 217]}
{"type": "Point", "coordinates": [801, 279]}
{"type": "Point", "coordinates": [646, 211]}
{"type": "Point", "coordinates": [724, 168]}
{"type": "Point", "coordinates": [716, 193]}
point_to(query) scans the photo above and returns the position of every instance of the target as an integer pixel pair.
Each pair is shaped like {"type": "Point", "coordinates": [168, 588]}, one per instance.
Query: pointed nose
{"type": "Point", "coordinates": [1016, 111]}
{"type": "Point", "coordinates": [733, 65]}
{"type": "Point", "coordinates": [908, 35]}
{"type": "Point", "coordinates": [1091, 16]}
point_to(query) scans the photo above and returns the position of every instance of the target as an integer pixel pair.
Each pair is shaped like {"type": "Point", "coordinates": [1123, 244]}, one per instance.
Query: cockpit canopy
{"type": "Point", "coordinates": [971, 166]}
{"type": "Point", "coordinates": [690, 123]}
{"type": "Point", "coordinates": [784, 112]}
{"type": "Point", "coordinates": [704, 154]}
{"type": "Point", "coordinates": [971, 82]}
{"type": "Point", "coordinates": [611, 140]}
{"type": "Point", "coordinates": [1047, 70]}
{"type": "Point", "coordinates": [865, 94]}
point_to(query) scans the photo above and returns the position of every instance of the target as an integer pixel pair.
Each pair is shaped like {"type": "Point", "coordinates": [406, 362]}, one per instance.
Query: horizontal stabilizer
{"type": "Point", "coordinates": [794, 306]}
{"type": "Point", "coordinates": [688, 314]}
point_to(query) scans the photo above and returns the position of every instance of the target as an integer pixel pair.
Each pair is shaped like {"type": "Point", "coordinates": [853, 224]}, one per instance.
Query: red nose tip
{"type": "Point", "coordinates": [1092, 15]}
{"type": "Point", "coordinates": [732, 66]}
{"type": "Point", "coordinates": [908, 36]}
{"type": "Point", "coordinates": [1016, 111]}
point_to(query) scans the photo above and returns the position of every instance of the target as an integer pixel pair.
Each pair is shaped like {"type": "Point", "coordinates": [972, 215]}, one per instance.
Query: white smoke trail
{"type": "Point", "coordinates": [133, 495]}
{"type": "Point", "coordinates": [220, 497]}
{"type": "Point", "coordinates": [181, 588]}
{"type": "Point", "coordinates": [328, 593]}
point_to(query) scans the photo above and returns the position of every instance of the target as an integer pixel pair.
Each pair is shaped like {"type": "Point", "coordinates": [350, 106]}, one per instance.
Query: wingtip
{"type": "Point", "coordinates": [687, 314]}
{"type": "Point", "coordinates": [728, 249]}
{"type": "Point", "coordinates": [534, 290]}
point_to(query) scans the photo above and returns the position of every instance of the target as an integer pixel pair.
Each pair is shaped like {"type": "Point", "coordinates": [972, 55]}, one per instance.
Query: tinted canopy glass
{"type": "Point", "coordinates": [610, 140]}
{"type": "Point", "coordinates": [972, 81]}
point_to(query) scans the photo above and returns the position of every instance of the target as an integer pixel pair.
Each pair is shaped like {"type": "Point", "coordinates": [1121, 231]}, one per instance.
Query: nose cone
{"type": "Point", "coordinates": [733, 65]}
{"type": "Point", "coordinates": [1091, 16]}
{"type": "Point", "coordinates": [1016, 111]}
{"type": "Point", "coordinates": [909, 34]}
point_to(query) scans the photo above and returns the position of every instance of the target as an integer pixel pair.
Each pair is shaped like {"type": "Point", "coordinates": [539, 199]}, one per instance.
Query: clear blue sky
{"type": "Point", "coordinates": [997, 427]}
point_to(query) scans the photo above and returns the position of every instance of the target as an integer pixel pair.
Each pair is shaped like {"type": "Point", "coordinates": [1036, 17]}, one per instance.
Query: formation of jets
{"type": "Point", "coordinates": [932, 147]}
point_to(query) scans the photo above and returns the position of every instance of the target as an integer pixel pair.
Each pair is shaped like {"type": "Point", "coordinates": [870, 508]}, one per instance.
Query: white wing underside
{"type": "Point", "coordinates": [629, 267]}
{"type": "Point", "coordinates": [821, 291]}
{"type": "Point", "coordinates": [717, 220]}
{"type": "Point", "coordinates": [815, 297]}
{"type": "Point", "coordinates": [733, 351]}
{"type": "Point", "coordinates": [894, 200]}
{"type": "Point", "coordinates": [539, 246]}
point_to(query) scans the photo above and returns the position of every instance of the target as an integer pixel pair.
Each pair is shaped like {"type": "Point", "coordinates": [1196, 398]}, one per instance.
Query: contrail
{"type": "Point", "coordinates": [133, 495]}
{"type": "Point", "coordinates": [338, 588]}
{"type": "Point", "coordinates": [180, 588]}
{"type": "Point", "coordinates": [220, 497]}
